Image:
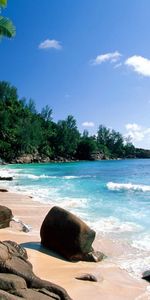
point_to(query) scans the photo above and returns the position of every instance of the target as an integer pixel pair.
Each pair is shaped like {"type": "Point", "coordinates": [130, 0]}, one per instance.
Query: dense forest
{"type": "Point", "coordinates": [27, 135]}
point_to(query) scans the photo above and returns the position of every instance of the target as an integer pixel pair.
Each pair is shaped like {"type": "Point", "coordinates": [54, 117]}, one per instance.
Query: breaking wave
{"type": "Point", "coordinates": [77, 177]}
{"type": "Point", "coordinates": [113, 186]}
{"type": "Point", "coordinates": [36, 177]}
{"type": "Point", "coordinates": [43, 176]}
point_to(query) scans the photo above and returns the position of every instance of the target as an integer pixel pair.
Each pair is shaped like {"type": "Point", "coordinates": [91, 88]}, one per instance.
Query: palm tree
{"type": "Point", "coordinates": [7, 29]}
{"type": "Point", "coordinates": [3, 3]}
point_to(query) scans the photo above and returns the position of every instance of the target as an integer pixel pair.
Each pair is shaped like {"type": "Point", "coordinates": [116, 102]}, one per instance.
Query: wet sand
{"type": "Point", "coordinates": [113, 283]}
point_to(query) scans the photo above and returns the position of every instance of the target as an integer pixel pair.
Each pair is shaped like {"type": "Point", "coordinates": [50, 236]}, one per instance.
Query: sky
{"type": "Point", "coordinates": [87, 58]}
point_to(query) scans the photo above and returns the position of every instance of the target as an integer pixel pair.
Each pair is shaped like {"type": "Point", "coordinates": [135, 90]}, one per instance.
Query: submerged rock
{"type": "Point", "coordinates": [69, 236]}
{"type": "Point", "coordinates": [146, 275]}
{"type": "Point", "coordinates": [3, 190]}
{"type": "Point", "coordinates": [9, 178]}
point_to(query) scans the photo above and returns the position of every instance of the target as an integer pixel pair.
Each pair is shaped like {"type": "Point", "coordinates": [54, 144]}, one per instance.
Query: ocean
{"type": "Point", "coordinates": [113, 197]}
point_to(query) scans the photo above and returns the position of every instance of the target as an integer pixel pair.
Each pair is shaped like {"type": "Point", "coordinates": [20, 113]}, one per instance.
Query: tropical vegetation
{"type": "Point", "coordinates": [7, 29]}
{"type": "Point", "coordinates": [25, 131]}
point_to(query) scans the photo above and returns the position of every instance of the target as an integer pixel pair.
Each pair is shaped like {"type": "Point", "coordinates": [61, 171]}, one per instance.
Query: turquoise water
{"type": "Point", "coordinates": [112, 196]}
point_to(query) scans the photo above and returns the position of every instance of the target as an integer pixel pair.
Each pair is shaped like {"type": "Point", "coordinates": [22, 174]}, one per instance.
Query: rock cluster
{"type": "Point", "coordinates": [37, 158]}
{"type": "Point", "coordinates": [61, 232]}
{"type": "Point", "coordinates": [31, 158]}
{"type": "Point", "coordinates": [17, 280]}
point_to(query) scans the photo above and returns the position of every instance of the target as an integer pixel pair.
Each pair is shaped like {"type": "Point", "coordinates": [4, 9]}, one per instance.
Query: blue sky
{"type": "Point", "coordinates": [87, 58]}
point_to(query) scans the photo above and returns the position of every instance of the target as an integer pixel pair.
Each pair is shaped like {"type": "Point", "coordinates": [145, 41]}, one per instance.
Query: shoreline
{"type": "Point", "coordinates": [65, 160]}
{"type": "Point", "coordinates": [113, 282]}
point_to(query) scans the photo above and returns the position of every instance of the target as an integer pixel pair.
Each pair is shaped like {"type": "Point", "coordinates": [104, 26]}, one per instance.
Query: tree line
{"type": "Point", "coordinates": [24, 130]}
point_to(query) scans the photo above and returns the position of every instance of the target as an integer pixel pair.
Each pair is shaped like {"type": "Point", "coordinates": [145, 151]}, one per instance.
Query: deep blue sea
{"type": "Point", "coordinates": [111, 196]}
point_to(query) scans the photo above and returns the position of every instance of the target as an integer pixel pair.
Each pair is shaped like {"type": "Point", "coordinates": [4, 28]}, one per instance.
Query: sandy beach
{"type": "Point", "coordinates": [113, 283]}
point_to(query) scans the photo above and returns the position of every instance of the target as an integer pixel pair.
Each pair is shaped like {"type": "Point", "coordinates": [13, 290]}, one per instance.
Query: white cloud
{"type": "Point", "coordinates": [140, 135]}
{"type": "Point", "coordinates": [48, 44]}
{"type": "Point", "coordinates": [88, 124]}
{"type": "Point", "coordinates": [111, 57]}
{"type": "Point", "coordinates": [133, 126]}
{"type": "Point", "coordinates": [139, 64]}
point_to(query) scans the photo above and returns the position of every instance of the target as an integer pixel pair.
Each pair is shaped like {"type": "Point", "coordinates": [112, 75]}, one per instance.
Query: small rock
{"type": "Point", "coordinates": [146, 275]}
{"type": "Point", "coordinates": [3, 190]}
{"type": "Point", "coordinates": [25, 228]}
{"type": "Point", "coordinates": [87, 277]}
{"type": "Point", "coordinates": [19, 225]}
{"type": "Point", "coordinates": [9, 178]}
{"type": "Point", "coordinates": [94, 256]}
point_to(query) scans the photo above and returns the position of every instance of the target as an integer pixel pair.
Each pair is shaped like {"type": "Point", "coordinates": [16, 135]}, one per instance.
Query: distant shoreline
{"type": "Point", "coordinates": [26, 161]}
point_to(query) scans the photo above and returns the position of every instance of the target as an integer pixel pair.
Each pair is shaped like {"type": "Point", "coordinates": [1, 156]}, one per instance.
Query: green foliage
{"type": "Point", "coordinates": [67, 137]}
{"type": "Point", "coordinates": [25, 131]}
{"type": "Point", "coordinates": [3, 3]}
{"type": "Point", "coordinates": [86, 147]}
{"type": "Point", "coordinates": [110, 142]}
{"type": "Point", "coordinates": [46, 113]}
{"type": "Point", "coordinates": [7, 28]}
{"type": "Point", "coordinates": [130, 150]}
{"type": "Point", "coordinates": [142, 153]}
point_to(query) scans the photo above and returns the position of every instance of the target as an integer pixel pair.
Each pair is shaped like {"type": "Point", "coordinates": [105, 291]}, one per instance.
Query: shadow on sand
{"type": "Point", "coordinates": [38, 247]}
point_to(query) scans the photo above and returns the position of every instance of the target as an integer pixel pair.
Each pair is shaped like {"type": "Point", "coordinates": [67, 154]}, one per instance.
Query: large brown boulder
{"type": "Point", "coordinates": [66, 234]}
{"type": "Point", "coordinates": [26, 285]}
{"type": "Point", "coordinates": [5, 216]}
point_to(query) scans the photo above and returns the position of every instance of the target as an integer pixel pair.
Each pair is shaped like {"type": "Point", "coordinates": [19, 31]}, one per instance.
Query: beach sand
{"type": "Point", "coordinates": [113, 283]}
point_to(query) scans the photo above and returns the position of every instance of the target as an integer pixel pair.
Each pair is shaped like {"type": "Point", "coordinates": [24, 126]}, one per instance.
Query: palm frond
{"type": "Point", "coordinates": [7, 28]}
{"type": "Point", "coordinates": [3, 3]}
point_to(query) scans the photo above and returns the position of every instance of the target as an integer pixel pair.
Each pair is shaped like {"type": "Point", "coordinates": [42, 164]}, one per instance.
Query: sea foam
{"type": "Point", "coordinates": [113, 186]}
{"type": "Point", "coordinates": [43, 176]}
{"type": "Point", "coordinates": [142, 244]}
{"type": "Point", "coordinates": [135, 264]}
{"type": "Point", "coordinates": [112, 224]}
